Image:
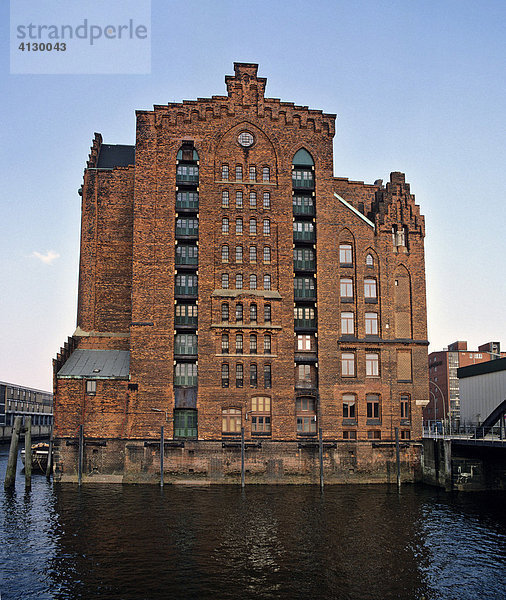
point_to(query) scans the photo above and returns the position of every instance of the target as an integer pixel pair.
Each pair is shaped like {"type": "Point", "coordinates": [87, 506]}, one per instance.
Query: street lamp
{"type": "Point", "coordinates": [445, 414]}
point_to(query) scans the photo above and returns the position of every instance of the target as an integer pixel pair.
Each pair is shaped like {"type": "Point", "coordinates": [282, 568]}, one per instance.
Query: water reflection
{"type": "Point", "coordinates": [266, 542]}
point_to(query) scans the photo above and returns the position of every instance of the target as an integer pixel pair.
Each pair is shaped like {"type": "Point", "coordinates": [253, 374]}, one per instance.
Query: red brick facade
{"type": "Point", "coordinates": [250, 287]}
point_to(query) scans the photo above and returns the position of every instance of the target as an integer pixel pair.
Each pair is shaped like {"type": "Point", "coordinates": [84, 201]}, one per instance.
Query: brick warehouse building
{"type": "Point", "coordinates": [227, 279]}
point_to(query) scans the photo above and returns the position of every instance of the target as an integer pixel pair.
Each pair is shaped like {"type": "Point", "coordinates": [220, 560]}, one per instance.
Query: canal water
{"type": "Point", "coordinates": [267, 542]}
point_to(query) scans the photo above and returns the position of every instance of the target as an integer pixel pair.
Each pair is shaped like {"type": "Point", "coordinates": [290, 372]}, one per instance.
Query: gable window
{"type": "Point", "coordinates": [371, 323]}
{"type": "Point", "coordinates": [349, 406]}
{"type": "Point", "coordinates": [252, 173]}
{"type": "Point", "coordinates": [346, 289]}
{"type": "Point", "coordinates": [224, 225]}
{"type": "Point", "coordinates": [347, 323]}
{"type": "Point", "coordinates": [238, 226]}
{"type": "Point", "coordinates": [345, 254]}
{"type": "Point", "coordinates": [253, 312]}
{"type": "Point", "coordinates": [372, 364]}
{"type": "Point", "coordinates": [238, 254]}
{"type": "Point", "coordinates": [260, 415]}
{"type": "Point", "coordinates": [266, 174]}
{"type": "Point", "coordinates": [225, 200]}
{"type": "Point", "coordinates": [370, 291]}
{"type": "Point", "coordinates": [224, 254]}
{"type": "Point", "coordinates": [238, 312]}
{"type": "Point", "coordinates": [348, 364]}
{"type": "Point", "coordinates": [239, 374]}
{"type": "Point", "coordinates": [224, 375]}
{"type": "Point", "coordinates": [224, 172]}
{"type": "Point", "coordinates": [224, 281]}
{"type": "Point", "coordinates": [267, 200]}
{"type": "Point", "coordinates": [253, 375]}
{"type": "Point", "coordinates": [369, 260]}
{"type": "Point", "coordinates": [238, 173]}
{"type": "Point", "coordinates": [231, 420]}
{"type": "Point", "coordinates": [224, 312]}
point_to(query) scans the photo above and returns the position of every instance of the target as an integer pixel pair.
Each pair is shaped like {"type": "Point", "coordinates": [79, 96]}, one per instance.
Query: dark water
{"type": "Point", "coordinates": [355, 542]}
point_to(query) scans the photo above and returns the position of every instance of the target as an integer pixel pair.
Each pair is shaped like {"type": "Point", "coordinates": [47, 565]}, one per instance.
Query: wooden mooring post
{"type": "Point", "coordinates": [162, 452]}
{"type": "Point", "coordinates": [12, 463]}
{"type": "Point", "coordinates": [320, 455]}
{"type": "Point", "coordinates": [80, 456]}
{"type": "Point", "coordinates": [242, 457]}
{"type": "Point", "coordinates": [28, 453]}
{"type": "Point", "coordinates": [398, 457]}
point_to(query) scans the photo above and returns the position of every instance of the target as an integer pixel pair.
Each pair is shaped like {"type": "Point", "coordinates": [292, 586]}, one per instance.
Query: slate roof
{"type": "Point", "coordinates": [96, 364]}
{"type": "Point", "coordinates": [115, 155]}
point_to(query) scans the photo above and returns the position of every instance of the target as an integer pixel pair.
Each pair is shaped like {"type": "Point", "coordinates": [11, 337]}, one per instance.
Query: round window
{"type": "Point", "coordinates": [245, 139]}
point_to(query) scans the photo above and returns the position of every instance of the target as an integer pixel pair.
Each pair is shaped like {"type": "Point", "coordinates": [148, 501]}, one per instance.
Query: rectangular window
{"type": "Point", "coordinates": [347, 324]}
{"type": "Point", "coordinates": [239, 375]}
{"type": "Point", "coordinates": [91, 387]}
{"type": "Point", "coordinates": [372, 364]}
{"type": "Point", "coordinates": [253, 376]}
{"type": "Point", "coordinates": [349, 434]}
{"type": "Point", "coordinates": [231, 420]}
{"type": "Point", "coordinates": [306, 415]}
{"type": "Point", "coordinates": [370, 292]}
{"type": "Point", "coordinates": [405, 408]}
{"type": "Point", "coordinates": [304, 342]}
{"type": "Point", "coordinates": [260, 415]}
{"type": "Point", "coordinates": [374, 434]}
{"type": "Point", "coordinates": [346, 289]}
{"type": "Point", "coordinates": [373, 407]}
{"type": "Point", "coordinates": [304, 373]}
{"type": "Point", "coordinates": [371, 323]}
{"type": "Point", "coordinates": [348, 364]}
{"type": "Point", "coordinates": [345, 254]}
{"type": "Point", "coordinates": [405, 434]}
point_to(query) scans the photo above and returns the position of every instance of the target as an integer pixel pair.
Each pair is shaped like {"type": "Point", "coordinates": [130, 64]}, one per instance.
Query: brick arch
{"type": "Point", "coordinates": [402, 303]}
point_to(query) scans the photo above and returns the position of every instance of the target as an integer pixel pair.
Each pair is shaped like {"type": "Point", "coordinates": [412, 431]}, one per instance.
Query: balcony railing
{"type": "Point", "coordinates": [304, 265]}
{"type": "Point", "coordinates": [186, 290]}
{"type": "Point", "coordinates": [187, 203]}
{"type": "Point", "coordinates": [305, 323]}
{"type": "Point", "coordinates": [187, 230]}
{"type": "Point", "coordinates": [303, 209]}
{"type": "Point", "coordinates": [305, 293]}
{"type": "Point", "coordinates": [302, 179]}
{"type": "Point", "coordinates": [187, 257]}
{"type": "Point", "coordinates": [304, 236]}
{"type": "Point", "coordinates": [185, 350]}
{"type": "Point", "coordinates": [186, 320]}
{"type": "Point", "coordinates": [187, 174]}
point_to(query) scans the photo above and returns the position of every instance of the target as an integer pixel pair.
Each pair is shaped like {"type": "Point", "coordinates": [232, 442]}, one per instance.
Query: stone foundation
{"type": "Point", "coordinates": [219, 462]}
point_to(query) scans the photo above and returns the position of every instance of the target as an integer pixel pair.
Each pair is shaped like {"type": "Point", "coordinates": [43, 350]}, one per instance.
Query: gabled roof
{"type": "Point", "coordinates": [354, 210]}
{"type": "Point", "coordinates": [96, 364]}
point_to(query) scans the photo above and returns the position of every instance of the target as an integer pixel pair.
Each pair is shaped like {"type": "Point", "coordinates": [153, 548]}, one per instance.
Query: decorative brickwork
{"type": "Point", "coordinates": [251, 288]}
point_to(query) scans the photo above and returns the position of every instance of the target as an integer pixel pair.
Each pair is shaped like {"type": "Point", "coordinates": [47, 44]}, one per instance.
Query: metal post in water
{"type": "Point", "coordinates": [320, 453]}
{"type": "Point", "coordinates": [12, 463]}
{"type": "Point", "coordinates": [28, 453]}
{"type": "Point", "coordinates": [49, 466]}
{"type": "Point", "coordinates": [162, 451]}
{"type": "Point", "coordinates": [242, 457]}
{"type": "Point", "coordinates": [397, 457]}
{"type": "Point", "coordinates": [80, 455]}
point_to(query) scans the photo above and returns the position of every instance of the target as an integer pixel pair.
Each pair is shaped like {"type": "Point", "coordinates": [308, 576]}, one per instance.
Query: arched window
{"type": "Point", "coordinates": [253, 254]}
{"type": "Point", "coordinates": [238, 226]}
{"type": "Point", "coordinates": [224, 172]}
{"type": "Point", "coordinates": [239, 346]}
{"type": "Point", "coordinates": [267, 282]}
{"type": "Point", "coordinates": [267, 343]}
{"type": "Point", "coordinates": [252, 173]}
{"type": "Point", "coordinates": [267, 313]}
{"type": "Point", "coordinates": [238, 254]}
{"type": "Point", "coordinates": [238, 173]}
{"type": "Point", "coordinates": [266, 174]}
{"type": "Point", "coordinates": [253, 375]}
{"type": "Point", "coordinates": [224, 254]}
{"type": "Point", "coordinates": [267, 200]}
{"type": "Point", "coordinates": [225, 201]}
{"type": "Point", "coordinates": [224, 225]}
{"type": "Point", "coordinates": [252, 199]}
{"type": "Point", "coordinates": [303, 158]}
{"type": "Point", "coordinates": [253, 343]}
{"type": "Point", "coordinates": [224, 343]}
{"type": "Point", "coordinates": [252, 282]}
{"type": "Point", "coordinates": [238, 199]}
{"type": "Point", "coordinates": [266, 227]}
{"type": "Point", "coordinates": [267, 254]}
{"type": "Point", "coordinates": [238, 281]}
{"type": "Point", "coordinates": [369, 260]}
{"type": "Point", "coordinates": [224, 281]}
{"type": "Point", "coordinates": [253, 312]}
{"type": "Point", "coordinates": [252, 226]}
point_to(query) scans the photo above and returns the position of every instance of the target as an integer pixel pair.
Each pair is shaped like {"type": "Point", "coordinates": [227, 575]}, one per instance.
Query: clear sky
{"type": "Point", "coordinates": [418, 86]}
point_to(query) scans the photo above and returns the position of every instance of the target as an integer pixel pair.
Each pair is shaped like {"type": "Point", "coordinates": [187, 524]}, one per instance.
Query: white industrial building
{"type": "Point", "coordinates": [482, 392]}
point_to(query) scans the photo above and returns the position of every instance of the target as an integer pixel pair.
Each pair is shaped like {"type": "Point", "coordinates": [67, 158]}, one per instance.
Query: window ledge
{"type": "Point", "coordinates": [346, 300]}
{"type": "Point", "coordinates": [373, 422]}
{"type": "Point", "coordinates": [371, 300]}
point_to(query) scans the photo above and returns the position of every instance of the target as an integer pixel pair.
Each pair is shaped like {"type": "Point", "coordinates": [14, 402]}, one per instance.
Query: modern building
{"type": "Point", "coordinates": [444, 403]}
{"type": "Point", "coordinates": [17, 400]}
{"type": "Point", "coordinates": [229, 282]}
{"type": "Point", "coordinates": [483, 393]}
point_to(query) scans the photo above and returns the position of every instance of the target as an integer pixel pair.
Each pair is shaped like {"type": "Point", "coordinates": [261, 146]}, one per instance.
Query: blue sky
{"type": "Point", "coordinates": [418, 87]}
